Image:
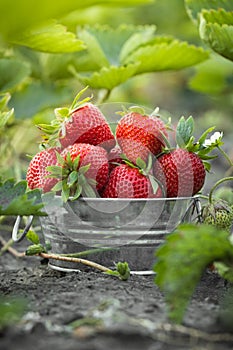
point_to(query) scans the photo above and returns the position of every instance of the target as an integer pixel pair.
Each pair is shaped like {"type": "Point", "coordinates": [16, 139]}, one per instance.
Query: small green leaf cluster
{"type": "Point", "coordinates": [72, 180]}
{"type": "Point", "coordinates": [35, 249]}
{"type": "Point", "coordinates": [122, 271]}
{"type": "Point", "coordinates": [203, 146]}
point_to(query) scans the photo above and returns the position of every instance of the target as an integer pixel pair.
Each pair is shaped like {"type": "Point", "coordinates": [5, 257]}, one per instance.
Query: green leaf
{"type": "Point", "coordinates": [106, 46]}
{"type": "Point", "coordinates": [184, 131]}
{"type": "Point", "coordinates": [154, 183]}
{"type": "Point", "coordinates": [4, 117]}
{"type": "Point", "coordinates": [33, 237]}
{"type": "Point", "coordinates": [11, 310]}
{"type": "Point", "coordinates": [65, 191]}
{"type": "Point", "coordinates": [94, 49]}
{"type": "Point", "coordinates": [110, 45]}
{"type": "Point", "coordinates": [55, 169]}
{"type": "Point", "coordinates": [109, 77]}
{"type": "Point", "coordinates": [140, 36]}
{"type": "Point", "coordinates": [4, 99]}
{"type": "Point", "coordinates": [12, 73]}
{"type": "Point", "coordinates": [208, 79]}
{"type": "Point", "coordinates": [207, 166]}
{"type": "Point", "coordinates": [130, 50]}
{"type": "Point", "coordinates": [225, 270]}
{"type": "Point", "coordinates": [182, 259]}
{"type": "Point", "coordinates": [16, 200]}
{"type": "Point", "coordinates": [38, 96]}
{"type": "Point", "coordinates": [216, 29]}
{"type": "Point", "coordinates": [5, 114]}
{"type": "Point", "coordinates": [50, 37]}
{"type": "Point", "coordinates": [69, 160]}
{"type": "Point", "coordinates": [195, 7]}
{"type": "Point", "coordinates": [58, 186]}
{"type": "Point", "coordinates": [166, 55]}
{"type": "Point", "coordinates": [83, 169]}
{"type": "Point", "coordinates": [18, 15]}
{"type": "Point", "coordinates": [62, 112]}
{"type": "Point", "coordinates": [140, 163]}
{"type": "Point", "coordinates": [76, 162]}
{"type": "Point", "coordinates": [219, 16]}
{"type": "Point", "coordinates": [78, 192]}
{"type": "Point", "coordinates": [77, 102]}
{"type": "Point", "coordinates": [73, 177]}
{"type": "Point", "coordinates": [203, 136]}
{"type": "Point", "coordinates": [60, 159]}
{"type": "Point", "coordinates": [88, 190]}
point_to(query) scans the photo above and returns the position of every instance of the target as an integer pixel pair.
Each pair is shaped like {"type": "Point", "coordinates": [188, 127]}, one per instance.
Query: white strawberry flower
{"type": "Point", "coordinates": [214, 139]}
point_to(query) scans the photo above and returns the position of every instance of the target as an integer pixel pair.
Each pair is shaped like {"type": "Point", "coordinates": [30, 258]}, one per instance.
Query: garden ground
{"type": "Point", "coordinates": [90, 310]}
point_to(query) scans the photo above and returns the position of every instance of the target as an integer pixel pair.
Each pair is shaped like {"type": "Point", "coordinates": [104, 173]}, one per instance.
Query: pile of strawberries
{"type": "Point", "coordinates": [83, 157]}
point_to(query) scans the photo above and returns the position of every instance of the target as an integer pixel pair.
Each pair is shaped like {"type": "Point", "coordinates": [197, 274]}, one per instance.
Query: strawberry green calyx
{"type": "Point", "coordinates": [122, 271]}
{"type": "Point", "coordinates": [65, 112]}
{"type": "Point", "coordinates": [146, 170]}
{"type": "Point", "coordinates": [72, 181]}
{"type": "Point", "coordinates": [203, 146]}
{"type": "Point", "coordinates": [132, 109]}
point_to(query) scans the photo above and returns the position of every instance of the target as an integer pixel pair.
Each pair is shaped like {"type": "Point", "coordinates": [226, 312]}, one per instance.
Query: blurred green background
{"type": "Point", "coordinates": [39, 44]}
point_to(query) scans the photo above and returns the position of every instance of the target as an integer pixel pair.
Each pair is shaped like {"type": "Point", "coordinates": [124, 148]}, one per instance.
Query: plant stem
{"type": "Point", "coordinates": [103, 96]}
{"type": "Point", "coordinates": [75, 260]}
{"type": "Point", "coordinates": [7, 246]}
{"type": "Point", "coordinates": [225, 156]}
{"type": "Point", "coordinates": [229, 178]}
{"type": "Point", "coordinates": [87, 252]}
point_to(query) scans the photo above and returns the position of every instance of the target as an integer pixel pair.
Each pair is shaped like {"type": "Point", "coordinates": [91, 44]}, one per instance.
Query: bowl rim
{"type": "Point", "coordinates": [100, 199]}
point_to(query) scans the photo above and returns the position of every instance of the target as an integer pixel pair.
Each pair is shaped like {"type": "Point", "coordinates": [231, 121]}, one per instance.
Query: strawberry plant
{"type": "Point", "coordinates": [192, 249]}
{"type": "Point", "coordinates": [182, 260]}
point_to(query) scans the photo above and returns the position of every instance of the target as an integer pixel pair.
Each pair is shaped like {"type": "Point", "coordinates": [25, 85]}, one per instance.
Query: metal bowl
{"type": "Point", "coordinates": [113, 229]}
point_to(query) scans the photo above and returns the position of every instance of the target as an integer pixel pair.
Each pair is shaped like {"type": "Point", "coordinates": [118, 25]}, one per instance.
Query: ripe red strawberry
{"type": "Point", "coordinates": [89, 164]}
{"type": "Point", "coordinates": [181, 172]}
{"type": "Point", "coordinates": [83, 122]}
{"type": "Point", "coordinates": [37, 173]}
{"type": "Point", "coordinates": [139, 135]}
{"type": "Point", "coordinates": [86, 124]}
{"type": "Point", "coordinates": [127, 182]}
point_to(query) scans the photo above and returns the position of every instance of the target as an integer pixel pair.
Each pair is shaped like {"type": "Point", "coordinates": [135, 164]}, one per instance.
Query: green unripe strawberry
{"type": "Point", "coordinates": [219, 213]}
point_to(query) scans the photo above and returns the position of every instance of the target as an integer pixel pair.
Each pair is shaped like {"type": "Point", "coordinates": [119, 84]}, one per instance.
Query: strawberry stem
{"type": "Point", "coordinates": [225, 155]}
{"type": "Point", "coordinates": [229, 178]}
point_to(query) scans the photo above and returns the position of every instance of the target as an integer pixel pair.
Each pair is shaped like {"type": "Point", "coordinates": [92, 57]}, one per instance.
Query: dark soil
{"type": "Point", "coordinates": [108, 313]}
